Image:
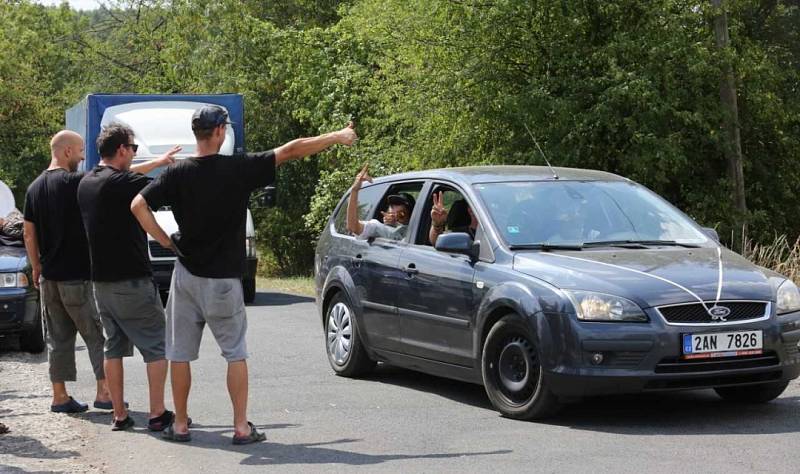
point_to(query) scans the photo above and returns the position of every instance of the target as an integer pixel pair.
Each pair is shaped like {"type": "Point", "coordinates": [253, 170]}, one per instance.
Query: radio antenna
{"type": "Point", "coordinates": [555, 175]}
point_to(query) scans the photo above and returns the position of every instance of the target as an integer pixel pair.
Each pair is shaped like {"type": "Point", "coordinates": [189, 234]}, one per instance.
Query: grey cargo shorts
{"type": "Point", "coordinates": [196, 301]}
{"type": "Point", "coordinates": [132, 316]}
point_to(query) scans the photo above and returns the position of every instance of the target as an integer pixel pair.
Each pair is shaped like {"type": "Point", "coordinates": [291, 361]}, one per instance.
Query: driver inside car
{"type": "Point", "coordinates": [395, 219]}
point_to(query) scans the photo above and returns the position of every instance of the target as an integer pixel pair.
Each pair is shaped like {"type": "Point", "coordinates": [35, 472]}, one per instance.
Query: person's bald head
{"type": "Point", "coordinates": [67, 148]}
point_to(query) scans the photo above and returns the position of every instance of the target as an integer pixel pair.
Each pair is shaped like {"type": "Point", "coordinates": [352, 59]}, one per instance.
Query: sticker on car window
{"type": "Point", "coordinates": [513, 229]}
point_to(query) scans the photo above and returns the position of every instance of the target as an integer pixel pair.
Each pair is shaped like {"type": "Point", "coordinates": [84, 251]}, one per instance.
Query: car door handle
{"type": "Point", "coordinates": [410, 269]}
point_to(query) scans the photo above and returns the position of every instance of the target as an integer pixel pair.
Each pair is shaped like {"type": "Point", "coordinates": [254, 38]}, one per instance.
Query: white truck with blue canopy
{"type": "Point", "coordinates": [159, 122]}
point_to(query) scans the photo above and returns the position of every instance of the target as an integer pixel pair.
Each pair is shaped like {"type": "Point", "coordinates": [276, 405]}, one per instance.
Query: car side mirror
{"type": "Point", "coordinates": [267, 197]}
{"type": "Point", "coordinates": [458, 242]}
{"type": "Point", "coordinates": [711, 233]}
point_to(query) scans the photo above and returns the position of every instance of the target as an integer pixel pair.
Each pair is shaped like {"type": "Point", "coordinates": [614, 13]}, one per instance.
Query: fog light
{"type": "Point", "coordinates": [597, 358]}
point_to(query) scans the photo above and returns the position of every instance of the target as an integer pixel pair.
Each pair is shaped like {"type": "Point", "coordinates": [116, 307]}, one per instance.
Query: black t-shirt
{"type": "Point", "coordinates": [117, 243]}
{"type": "Point", "coordinates": [51, 203]}
{"type": "Point", "coordinates": [209, 197]}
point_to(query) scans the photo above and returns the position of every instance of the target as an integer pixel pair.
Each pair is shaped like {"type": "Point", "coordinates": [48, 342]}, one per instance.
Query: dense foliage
{"type": "Point", "coordinates": [627, 86]}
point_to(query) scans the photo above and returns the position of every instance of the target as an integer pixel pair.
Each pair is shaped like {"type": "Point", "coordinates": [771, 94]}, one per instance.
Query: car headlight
{"type": "Point", "coordinates": [250, 247]}
{"type": "Point", "coordinates": [591, 306]}
{"type": "Point", "coordinates": [788, 297]}
{"type": "Point", "coordinates": [13, 280]}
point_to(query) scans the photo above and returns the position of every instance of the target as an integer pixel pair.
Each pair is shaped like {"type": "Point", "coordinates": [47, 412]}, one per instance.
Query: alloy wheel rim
{"type": "Point", "coordinates": [340, 333]}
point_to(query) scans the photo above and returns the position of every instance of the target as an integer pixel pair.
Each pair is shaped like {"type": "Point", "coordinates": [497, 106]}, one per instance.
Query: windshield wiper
{"type": "Point", "coordinates": [545, 246]}
{"type": "Point", "coordinates": [637, 243]}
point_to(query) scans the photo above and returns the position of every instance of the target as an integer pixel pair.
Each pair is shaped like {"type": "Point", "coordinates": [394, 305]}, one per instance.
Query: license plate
{"type": "Point", "coordinates": [722, 344]}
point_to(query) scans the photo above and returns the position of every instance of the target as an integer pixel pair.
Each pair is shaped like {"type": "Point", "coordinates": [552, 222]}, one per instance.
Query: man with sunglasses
{"type": "Point", "coordinates": [125, 294]}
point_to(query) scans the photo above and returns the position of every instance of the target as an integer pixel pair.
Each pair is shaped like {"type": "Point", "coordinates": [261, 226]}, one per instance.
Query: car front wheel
{"type": "Point", "coordinates": [346, 352]}
{"type": "Point", "coordinates": [512, 372]}
{"type": "Point", "coordinates": [761, 393]}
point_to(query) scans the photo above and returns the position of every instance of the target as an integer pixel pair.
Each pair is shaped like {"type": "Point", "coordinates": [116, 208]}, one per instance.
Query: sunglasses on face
{"type": "Point", "coordinates": [132, 146]}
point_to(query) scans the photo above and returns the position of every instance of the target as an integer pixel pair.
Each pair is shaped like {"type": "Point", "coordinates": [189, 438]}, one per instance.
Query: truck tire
{"type": "Point", "coordinates": [249, 289]}
{"type": "Point", "coordinates": [34, 341]}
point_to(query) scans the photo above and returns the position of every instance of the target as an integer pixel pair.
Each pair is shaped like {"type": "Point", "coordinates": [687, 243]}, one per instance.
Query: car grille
{"type": "Point", "coordinates": [696, 313]}
{"type": "Point", "coordinates": [679, 366]}
{"type": "Point", "coordinates": [157, 251]}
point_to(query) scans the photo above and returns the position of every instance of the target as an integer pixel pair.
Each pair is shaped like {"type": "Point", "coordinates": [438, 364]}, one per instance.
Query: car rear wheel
{"type": "Point", "coordinates": [346, 352]}
{"type": "Point", "coordinates": [33, 341]}
{"type": "Point", "coordinates": [761, 393]}
{"type": "Point", "coordinates": [512, 372]}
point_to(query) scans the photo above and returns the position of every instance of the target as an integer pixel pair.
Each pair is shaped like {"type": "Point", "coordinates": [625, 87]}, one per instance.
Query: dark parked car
{"type": "Point", "coordinates": [19, 300]}
{"type": "Point", "coordinates": [577, 285]}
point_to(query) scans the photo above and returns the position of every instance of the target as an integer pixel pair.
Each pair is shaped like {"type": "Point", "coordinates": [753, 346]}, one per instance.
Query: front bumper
{"type": "Point", "coordinates": [19, 309]}
{"type": "Point", "coordinates": [646, 357]}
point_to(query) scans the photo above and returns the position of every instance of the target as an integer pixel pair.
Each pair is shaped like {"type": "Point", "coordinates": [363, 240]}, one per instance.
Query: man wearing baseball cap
{"type": "Point", "coordinates": [395, 219]}
{"type": "Point", "coordinates": [208, 195]}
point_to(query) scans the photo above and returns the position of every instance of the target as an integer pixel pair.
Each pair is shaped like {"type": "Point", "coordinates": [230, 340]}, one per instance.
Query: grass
{"type": "Point", "coordinates": [295, 285]}
{"type": "Point", "coordinates": [778, 255]}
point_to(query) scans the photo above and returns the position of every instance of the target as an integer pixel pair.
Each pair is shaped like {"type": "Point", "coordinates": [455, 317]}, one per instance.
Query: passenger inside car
{"type": "Point", "coordinates": [395, 218]}
{"type": "Point", "coordinates": [459, 218]}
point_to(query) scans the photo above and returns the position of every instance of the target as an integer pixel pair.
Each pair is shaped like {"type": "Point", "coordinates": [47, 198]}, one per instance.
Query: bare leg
{"type": "Point", "coordinates": [60, 394]}
{"type": "Point", "coordinates": [103, 395]}
{"type": "Point", "coordinates": [181, 376]}
{"type": "Point", "coordinates": [156, 379]}
{"type": "Point", "coordinates": [237, 388]}
{"type": "Point", "coordinates": [115, 378]}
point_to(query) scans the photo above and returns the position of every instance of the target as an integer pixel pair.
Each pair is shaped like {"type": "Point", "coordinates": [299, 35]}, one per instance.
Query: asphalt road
{"type": "Point", "coordinates": [398, 420]}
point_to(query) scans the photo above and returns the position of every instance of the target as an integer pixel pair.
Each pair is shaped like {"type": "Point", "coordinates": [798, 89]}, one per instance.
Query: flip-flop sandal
{"type": "Point", "coordinates": [122, 425]}
{"type": "Point", "coordinates": [170, 435]}
{"type": "Point", "coordinates": [72, 406]}
{"type": "Point", "coordinates": [253, 437]}
{"type": "Point", "coordinates": [161, 422]}
{"type": "Point", "coordinates": [105, 405]}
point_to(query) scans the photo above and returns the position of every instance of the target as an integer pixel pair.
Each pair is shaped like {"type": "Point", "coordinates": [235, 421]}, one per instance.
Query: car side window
{"type": "Point", "coordinates": [394, 211]}
{"type": "Point", "coordinates": [368, 199]}
{"type": "Point", "coordinates": [454, 209]}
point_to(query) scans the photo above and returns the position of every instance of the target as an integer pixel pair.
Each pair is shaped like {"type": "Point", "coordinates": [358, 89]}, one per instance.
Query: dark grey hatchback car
{"type": "Point", "coordinates": [561, 287]}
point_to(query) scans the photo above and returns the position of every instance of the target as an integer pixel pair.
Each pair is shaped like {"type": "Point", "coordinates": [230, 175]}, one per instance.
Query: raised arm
{"type": "Point", "coordinates": [353, 224]}
{"type": "Point", "coordinates": [141, 211]}
{"type": "Point", "coordinates": [32, 248]}
{"type": "Point", "coordinates": [302, 147]}
{"type": "Point", "coordinates": [166, 159]}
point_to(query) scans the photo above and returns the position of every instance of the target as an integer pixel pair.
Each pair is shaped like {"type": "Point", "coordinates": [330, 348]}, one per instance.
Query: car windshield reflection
{"type": "Point", "coordinates": [577, 214]}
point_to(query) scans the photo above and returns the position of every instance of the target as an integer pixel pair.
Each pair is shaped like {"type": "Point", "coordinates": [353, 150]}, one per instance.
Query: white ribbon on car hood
{"type": "Point", "coordinates": [665, 280]}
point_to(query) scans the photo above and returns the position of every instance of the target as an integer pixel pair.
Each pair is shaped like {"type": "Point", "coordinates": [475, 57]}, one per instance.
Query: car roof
{"type": "Point", "coordinates": [505, 173]}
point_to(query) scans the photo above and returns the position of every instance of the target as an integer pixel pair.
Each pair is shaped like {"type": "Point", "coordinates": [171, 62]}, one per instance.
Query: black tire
{"type": "Point", "coordinates": [249, 289]}
{"type": "Point", "coordinates": [761, 393]}
{"type": "Point", "coordinates": [512, 374]}
{"type": "Point", "coordinates": [355, 362]}
{"type": "Point", "coordinates": [34, 341]}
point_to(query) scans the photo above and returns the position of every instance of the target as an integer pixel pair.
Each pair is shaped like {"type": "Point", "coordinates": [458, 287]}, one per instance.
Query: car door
{"type": "Point", "coordinates": [380, 276]}
{"type": "Point", "coordinates": [437, 303]}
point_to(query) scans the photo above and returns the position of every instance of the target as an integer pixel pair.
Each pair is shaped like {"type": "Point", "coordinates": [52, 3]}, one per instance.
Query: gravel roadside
{"type": "Point", "coordinates": [38, 440]}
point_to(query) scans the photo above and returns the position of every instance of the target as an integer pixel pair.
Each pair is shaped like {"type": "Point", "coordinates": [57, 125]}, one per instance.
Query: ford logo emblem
{"type": "Point", "coordinates": [719, 313]}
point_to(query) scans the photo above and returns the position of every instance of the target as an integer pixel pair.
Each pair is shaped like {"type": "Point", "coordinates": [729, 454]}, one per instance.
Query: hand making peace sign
{"type": "Point", "coordinates": [438, 212]}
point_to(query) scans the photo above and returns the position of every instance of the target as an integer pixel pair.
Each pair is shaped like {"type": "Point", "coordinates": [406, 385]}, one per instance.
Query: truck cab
{"type": "Point", "coordinates": [160, 122]}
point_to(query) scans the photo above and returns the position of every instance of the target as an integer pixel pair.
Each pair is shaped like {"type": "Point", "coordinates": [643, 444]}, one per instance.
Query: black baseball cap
{"type": "Point", "coordinates": [209, 116]}
{"type": "Point", "coordinates": [404, 199]}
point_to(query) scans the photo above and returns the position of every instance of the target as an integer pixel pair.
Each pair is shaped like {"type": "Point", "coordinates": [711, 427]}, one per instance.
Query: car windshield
{"type": "Point", "coordinates": [584, 213]}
